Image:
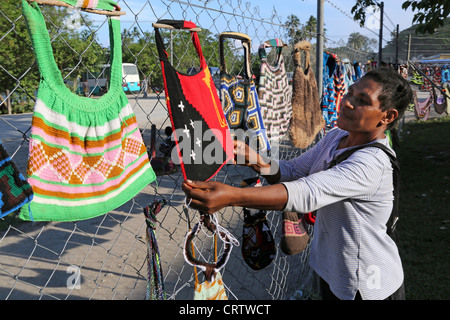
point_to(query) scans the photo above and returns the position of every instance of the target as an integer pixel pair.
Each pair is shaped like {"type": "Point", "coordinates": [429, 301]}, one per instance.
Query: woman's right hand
{"type": "Point", "coordinates": [244, 154]}
{"type": "Point", "coordinates": [247, 156]}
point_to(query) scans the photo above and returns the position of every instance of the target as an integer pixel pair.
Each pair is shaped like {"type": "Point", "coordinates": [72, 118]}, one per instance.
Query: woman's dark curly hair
{"type": "Point", "coordinates": [395, 91]}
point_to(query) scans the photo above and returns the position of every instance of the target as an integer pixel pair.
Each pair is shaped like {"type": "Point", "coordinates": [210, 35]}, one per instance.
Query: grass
{"type": "Point", "coordinates": [424, 224]}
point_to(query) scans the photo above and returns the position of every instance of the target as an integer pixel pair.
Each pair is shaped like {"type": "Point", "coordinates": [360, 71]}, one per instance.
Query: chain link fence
{"type": "Point", "coordinates": [106, 257]}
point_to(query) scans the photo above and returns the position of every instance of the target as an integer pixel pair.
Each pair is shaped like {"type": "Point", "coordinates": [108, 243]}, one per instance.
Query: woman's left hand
{"type": "Point", "coordinates": [209, 196]}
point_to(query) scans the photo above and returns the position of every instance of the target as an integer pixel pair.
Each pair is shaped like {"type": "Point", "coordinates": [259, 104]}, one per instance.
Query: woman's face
{"type": "Point", "coordinates": [360, 109]}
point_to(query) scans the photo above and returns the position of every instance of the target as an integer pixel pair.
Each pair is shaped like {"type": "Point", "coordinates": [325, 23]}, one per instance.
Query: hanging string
{"type": "Point", "coordinates": [210, 222]}
{"type": "Point", "coordinates": [224, 234]}
{"type": "Point", "coordinates": [155, 280]}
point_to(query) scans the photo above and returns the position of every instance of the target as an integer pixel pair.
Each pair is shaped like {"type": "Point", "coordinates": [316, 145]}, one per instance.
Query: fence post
{"type": "Point", "coordinates": [319, 46]}
{"type": "Point", "coordinates": [380, 39]}
{"type": "Point", "coordinates": [8, 101]}
{"type": "Point", "coordinates": [396, 45]}
{"type": "Point", "coordinates": [408, 52]}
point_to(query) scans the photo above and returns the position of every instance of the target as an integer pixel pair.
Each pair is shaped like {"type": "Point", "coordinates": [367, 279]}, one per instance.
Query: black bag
{"type": "Point", "coordinates": [258, 245]}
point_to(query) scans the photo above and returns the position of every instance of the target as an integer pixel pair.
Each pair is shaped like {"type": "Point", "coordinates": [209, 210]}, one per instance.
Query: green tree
{"type": "Point", "coordinates": [430, 14]}
{"type": "Point", "coordinates": [293, 29]}
{"type": "Point", "coordinates": [310, 28]}
{"type": "Point", "coordinates": [296, 32]}
{"type": "Point", "coordinates": [360, 42]}
{"type": "Point", "coordinates": [16, 53]}
{"type": "Point", "coordinates": [18, 69]}
{"type": "Point", "coordinates": [140, 49]}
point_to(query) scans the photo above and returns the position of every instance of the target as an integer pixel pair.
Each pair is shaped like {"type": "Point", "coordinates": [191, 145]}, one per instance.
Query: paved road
{"type": "Point", "coordinates": [151, 109]}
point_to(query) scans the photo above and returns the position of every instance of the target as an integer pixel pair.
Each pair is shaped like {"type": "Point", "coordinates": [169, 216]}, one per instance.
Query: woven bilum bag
{"type": "Point", "coordinates": [274, 92]}
{"type": "Point", "coordinates": [15, 191]}
{"type": "Point", "coordinates": [239, 97]}
{"type": "Point", "coordinates": [307, 119]}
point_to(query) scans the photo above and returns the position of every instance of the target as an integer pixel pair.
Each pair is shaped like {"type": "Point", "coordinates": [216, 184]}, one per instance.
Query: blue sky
{"type": "Point", "coordinates": [338, 22]}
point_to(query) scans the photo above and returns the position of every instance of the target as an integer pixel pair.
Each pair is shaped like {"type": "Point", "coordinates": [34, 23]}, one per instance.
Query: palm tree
{"type": "Point", "coordinates": [310, 28]}
{"type": "Point", "coordinates": [293, 31]}
{"type": "Point", "coordinates": [356, 40]}
{"type": "Point", "coordinates": [360, 42]}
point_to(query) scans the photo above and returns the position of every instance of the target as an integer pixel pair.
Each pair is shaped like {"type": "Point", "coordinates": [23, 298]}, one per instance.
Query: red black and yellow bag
{"type": "Point", "coordinates": [201, 132]}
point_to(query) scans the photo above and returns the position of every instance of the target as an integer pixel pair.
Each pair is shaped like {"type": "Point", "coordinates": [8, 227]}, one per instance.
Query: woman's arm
{"type": "Point", "coordinates": [212, 196]}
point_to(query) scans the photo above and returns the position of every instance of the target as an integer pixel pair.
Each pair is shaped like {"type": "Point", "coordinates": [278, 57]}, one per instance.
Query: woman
{"type": "Point", "coordinates": [350, 250]}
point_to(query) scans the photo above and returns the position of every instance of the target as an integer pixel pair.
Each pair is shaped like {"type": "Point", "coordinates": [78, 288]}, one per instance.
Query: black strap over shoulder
{"type": "Point", "coordinates": [391, 224]}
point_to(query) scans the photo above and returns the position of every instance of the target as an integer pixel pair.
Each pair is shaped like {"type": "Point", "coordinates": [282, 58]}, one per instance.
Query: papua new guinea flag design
{"type": "Point", "coordinates": [201, 132]}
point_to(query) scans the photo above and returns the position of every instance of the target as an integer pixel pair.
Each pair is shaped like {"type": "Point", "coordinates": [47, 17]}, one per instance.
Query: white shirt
{"type": "Point", "coordinates": [350, 249]}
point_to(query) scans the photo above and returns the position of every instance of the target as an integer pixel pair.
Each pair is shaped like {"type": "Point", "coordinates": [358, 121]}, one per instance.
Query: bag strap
{"type": "Point", "coordinates": [180, 25]}
{"type": "Point", "coordinates": [275, 43]}
{"type": "Point", "coordinates": [391, 224]}
{"type": "Point", "coordinates": [302, 46]}
{"type": "Point", "coordinates": [44, 53]}
{"type": "Point", "coordinates": [245, 40]}
{"type": "Point", "coordinates": [175, 24]}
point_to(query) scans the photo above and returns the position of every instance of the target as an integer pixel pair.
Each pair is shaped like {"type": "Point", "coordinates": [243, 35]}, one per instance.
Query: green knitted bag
{"type": "Point", "coordinates": [86, 156]}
